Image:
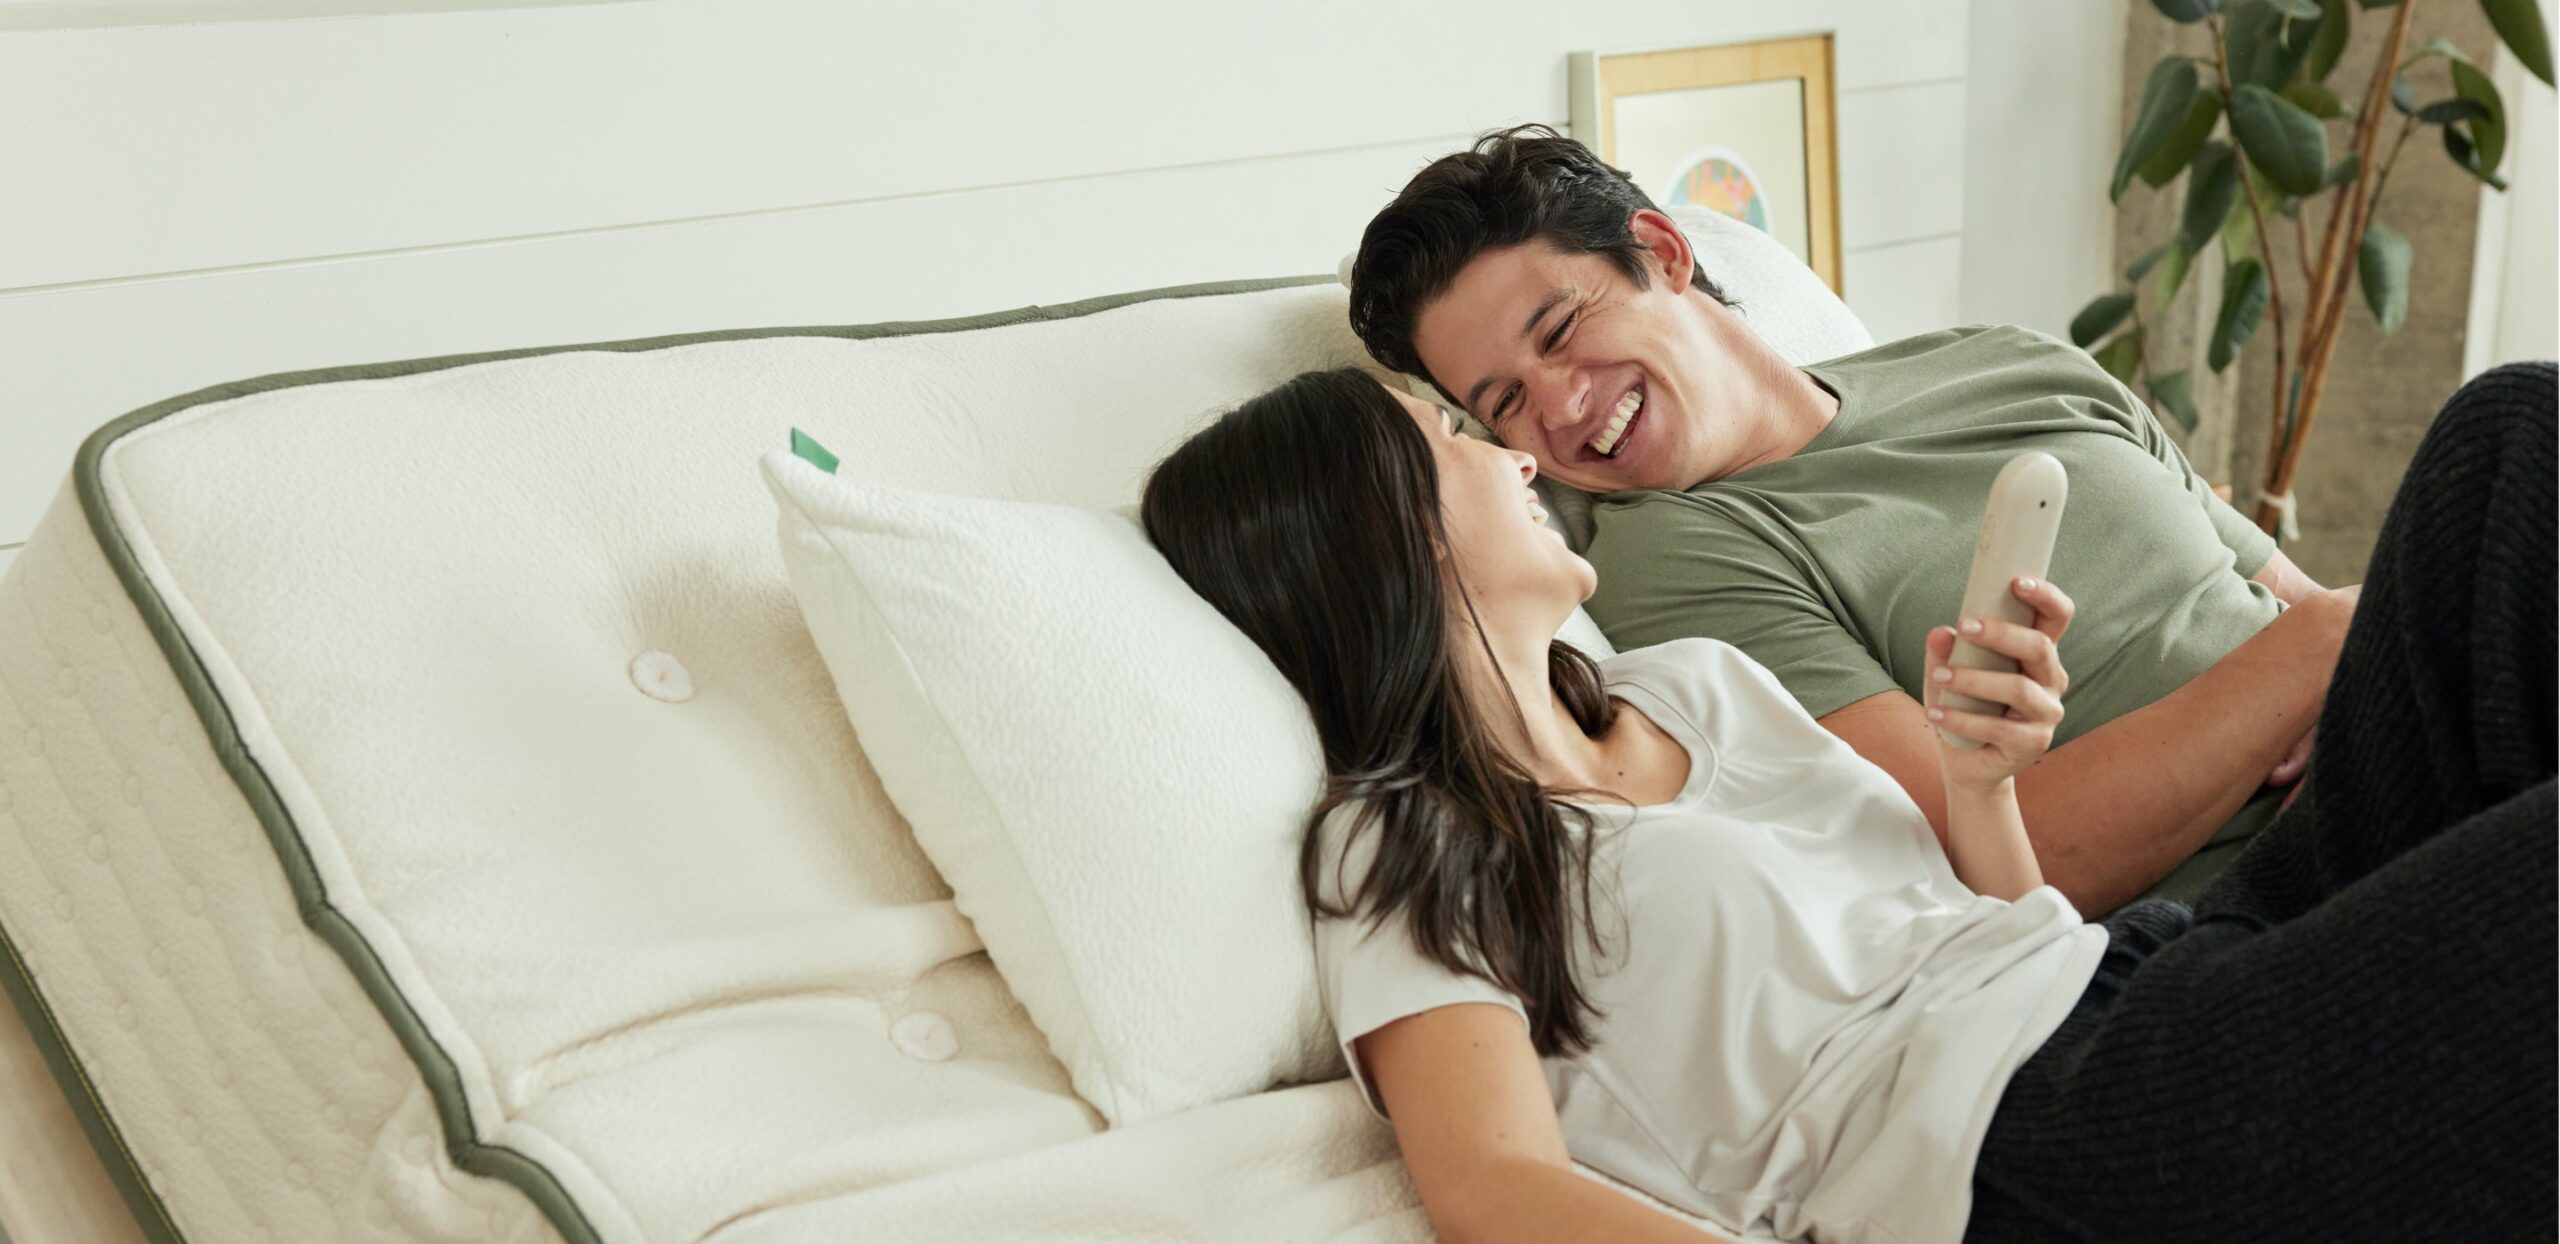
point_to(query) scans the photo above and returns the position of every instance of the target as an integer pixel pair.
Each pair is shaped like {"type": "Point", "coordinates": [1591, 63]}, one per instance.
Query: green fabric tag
{"type": "Point", "coordinates": [815, 453]}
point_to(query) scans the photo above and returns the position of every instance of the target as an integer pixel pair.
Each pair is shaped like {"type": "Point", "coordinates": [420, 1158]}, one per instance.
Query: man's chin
{"type": "Point", "coordinates": [1601, 485]}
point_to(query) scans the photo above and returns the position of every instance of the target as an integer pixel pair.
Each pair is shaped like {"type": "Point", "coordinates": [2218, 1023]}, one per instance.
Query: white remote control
{"type": "Point", "coordinates": [2018, 526]}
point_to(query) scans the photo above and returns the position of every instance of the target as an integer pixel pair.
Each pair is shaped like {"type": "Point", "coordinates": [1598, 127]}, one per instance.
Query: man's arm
{"type": "Point", "coordinates": [2115, 810]}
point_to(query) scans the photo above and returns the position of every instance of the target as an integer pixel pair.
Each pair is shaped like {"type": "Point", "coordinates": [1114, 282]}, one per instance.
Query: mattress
{"type": "Point", "coordinates": [361, 880]}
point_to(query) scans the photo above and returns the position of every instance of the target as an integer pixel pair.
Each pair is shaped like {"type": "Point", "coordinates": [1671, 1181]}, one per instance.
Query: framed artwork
{"type": "Point", "coordinates": [1745, 129]}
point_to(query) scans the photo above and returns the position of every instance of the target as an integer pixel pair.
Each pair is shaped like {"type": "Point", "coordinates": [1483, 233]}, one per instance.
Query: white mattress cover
{"type": "Point", "coordinates": [652, 952]}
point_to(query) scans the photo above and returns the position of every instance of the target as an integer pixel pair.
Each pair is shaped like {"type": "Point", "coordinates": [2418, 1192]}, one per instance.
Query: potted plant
{"type": "Point", "coordinates": [2246, 126]}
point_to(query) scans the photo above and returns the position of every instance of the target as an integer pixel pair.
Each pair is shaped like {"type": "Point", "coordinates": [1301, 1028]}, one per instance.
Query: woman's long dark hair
{"type": "Point", "coordinates": [1310, 516]}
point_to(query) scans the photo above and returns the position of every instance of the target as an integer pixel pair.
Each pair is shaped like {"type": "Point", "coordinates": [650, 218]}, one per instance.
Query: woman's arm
{"type": "Point", "coordinates": [1986, 836]}
{"type": "Point", "coordinates": [1478, 1130]}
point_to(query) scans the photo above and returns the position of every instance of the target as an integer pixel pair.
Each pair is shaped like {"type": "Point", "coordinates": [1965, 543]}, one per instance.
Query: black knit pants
{"type": "Point", "coordinates": [2353, 1035]}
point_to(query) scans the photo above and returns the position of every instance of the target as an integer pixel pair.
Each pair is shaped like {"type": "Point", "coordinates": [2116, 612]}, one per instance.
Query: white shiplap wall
{"type": "Point", "coordinates": [191, 203]}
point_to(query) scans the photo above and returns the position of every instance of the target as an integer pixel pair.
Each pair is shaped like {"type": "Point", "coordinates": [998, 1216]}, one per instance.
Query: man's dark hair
{"type": "Point", "coordinates": [1516, 185]}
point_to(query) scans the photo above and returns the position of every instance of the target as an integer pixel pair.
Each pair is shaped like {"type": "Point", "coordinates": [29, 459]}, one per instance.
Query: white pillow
{"type": "Point", "coordinates": [1111, 777]}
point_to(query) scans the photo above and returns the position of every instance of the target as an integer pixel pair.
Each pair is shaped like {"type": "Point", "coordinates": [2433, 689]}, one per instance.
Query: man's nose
{"type": "Point", "coordinates": [1561, 393]}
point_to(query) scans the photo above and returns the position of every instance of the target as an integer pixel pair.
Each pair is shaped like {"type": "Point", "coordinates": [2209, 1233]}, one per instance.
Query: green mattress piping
{"type": "Point", "coordinates": [434, 1066]}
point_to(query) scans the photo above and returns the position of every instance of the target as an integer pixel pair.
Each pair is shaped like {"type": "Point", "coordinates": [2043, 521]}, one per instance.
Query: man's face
{"type": "Point", "coordinates": [1608, 386]}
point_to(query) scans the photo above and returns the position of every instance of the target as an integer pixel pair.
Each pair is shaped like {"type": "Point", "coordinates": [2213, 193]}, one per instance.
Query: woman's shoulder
{"type": "Point", "coordinates": [1713, 684]}
{"type": "Point", "coordinates": [1674, 661]}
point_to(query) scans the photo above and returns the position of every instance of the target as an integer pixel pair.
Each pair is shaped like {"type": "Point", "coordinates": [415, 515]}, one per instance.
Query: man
{"type": "Point", "coordinates": [1823, 518]}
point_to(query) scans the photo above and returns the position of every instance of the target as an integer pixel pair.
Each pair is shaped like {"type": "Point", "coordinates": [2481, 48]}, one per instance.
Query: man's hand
{"type": "Point", "coordinates": [2289, 770]}
{"type": "Point", "coordinates": [2298, 761]}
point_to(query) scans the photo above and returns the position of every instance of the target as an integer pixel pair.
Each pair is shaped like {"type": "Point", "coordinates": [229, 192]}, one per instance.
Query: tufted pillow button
{"type": "Point", "coordinates": [924, 1036]}
{"type": "Point", "coordinates": [660, 676]}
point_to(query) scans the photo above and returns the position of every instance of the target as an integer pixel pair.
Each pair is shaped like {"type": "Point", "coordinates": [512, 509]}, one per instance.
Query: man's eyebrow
{"type": "Point", "coordinates": [1546, 304]}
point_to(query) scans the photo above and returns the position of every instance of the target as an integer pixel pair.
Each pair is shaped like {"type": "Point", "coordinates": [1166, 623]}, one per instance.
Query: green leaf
{"type": "Point", "coordinates": [2444, 110]}
{"type": "Point", "coordinates": [2171, 159]}
{"type": "Point", "coordinates": [2099, 318]}
{"type": "Point", "coordinates": [2331, 41]}
{"type": "Point", "coordinates": [2341, 170]}
{"type": "Point", "coordinates": [2170, 392]}
{"type": "Point", "coordinates": [2185, 11]}
{"type": "Point", "coordinates": [2313, 98]}
{"type": "Point", "coordinates": [2458, 145]}
{"type": "Point", "coordinates": [2382, 268]}
{"type": "Point", "coordinates": [2269, 197]}
{"type": "Point", "coordinates": [2244, 301]}
{"type": "Point", "coordinates": [2166, 96]}
{"type": "Point", "coordinates": [2213, 185]}
{"type": "Point", "coordinates": [2240, 229]}
{"type": "Point", "coordinates": [2437, 45]}
{"type": "Point", "coordinates": [2280, 138]}
{"type": "Point", "coordinates": [2298, 10]}
{"type": "Point", "coordinates": [2173, 273]}
{"type": "Point", "coordinates": [2121, 357]}
{"type": "Point", "coordinates": [2488, 130]}
{"type": "Point", "coordinates": [2519, 23]}
{"type": "Point", "coordinates": [2261, 46]}
{"type": "Point", "coordinates": [2142, 267]}
{"type": "Point", "coordinates": [2376, 4]}
{"type": "Point", "coordinates": [2403, 98]}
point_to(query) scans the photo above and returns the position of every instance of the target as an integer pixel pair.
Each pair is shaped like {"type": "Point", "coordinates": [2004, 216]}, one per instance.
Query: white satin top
{"type": "Point", "coordinates": [1808, 1018]}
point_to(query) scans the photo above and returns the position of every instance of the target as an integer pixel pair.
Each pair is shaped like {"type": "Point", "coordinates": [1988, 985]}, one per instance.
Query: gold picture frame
{"type": "Point", "coordinates": [1746, 129]}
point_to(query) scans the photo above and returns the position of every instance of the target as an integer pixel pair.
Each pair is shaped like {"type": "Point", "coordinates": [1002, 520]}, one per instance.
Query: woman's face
{"type": "Point", "coordinates": [1501, 546]}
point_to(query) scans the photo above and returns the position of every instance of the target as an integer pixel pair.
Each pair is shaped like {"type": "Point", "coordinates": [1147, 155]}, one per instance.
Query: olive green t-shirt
{"type": "Point", "coordinates": [1830, 565]}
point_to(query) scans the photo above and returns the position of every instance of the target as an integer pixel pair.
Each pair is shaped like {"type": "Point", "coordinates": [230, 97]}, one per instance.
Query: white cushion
{"type": "Point", "coordinates": [1111, 777]}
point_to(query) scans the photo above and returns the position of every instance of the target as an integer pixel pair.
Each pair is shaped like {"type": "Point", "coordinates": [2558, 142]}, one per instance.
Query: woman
{"type": "Point", "coordinates": [1646, 913]}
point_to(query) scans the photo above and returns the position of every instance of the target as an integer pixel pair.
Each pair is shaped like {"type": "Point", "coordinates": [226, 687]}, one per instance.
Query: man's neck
{"type": "Point", "coordinates": [1801, 408]}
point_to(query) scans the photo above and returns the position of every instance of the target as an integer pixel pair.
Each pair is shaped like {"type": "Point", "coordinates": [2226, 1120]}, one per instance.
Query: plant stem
{"type": "Point", "coordinates": [2302, 256]}
{"type": "Point", "coordinates": [2320, 335]}
{"type": "Point", "coordinates": [2266, 244]}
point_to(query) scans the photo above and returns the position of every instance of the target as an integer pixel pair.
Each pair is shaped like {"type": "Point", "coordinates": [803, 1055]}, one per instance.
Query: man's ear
{"type": "Point", "coordinates": [1673, 262]}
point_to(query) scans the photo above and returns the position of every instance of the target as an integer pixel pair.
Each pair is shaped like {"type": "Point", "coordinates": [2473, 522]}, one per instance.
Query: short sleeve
{"type": "Point", "coordinates": [2250, 547]}
{"type": "Point", "coordinates": [1371, 977]}
{"type": "Point", "coordinates": [1669, 572]}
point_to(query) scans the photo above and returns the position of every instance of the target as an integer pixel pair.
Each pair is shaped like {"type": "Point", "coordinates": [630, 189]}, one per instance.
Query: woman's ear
{"type": "Point", "coordinates": [1673, 262]}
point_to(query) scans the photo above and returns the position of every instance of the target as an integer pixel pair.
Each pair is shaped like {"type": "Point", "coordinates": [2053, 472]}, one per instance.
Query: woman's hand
{"type": "Point", "coordinates": [2032, 697]}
